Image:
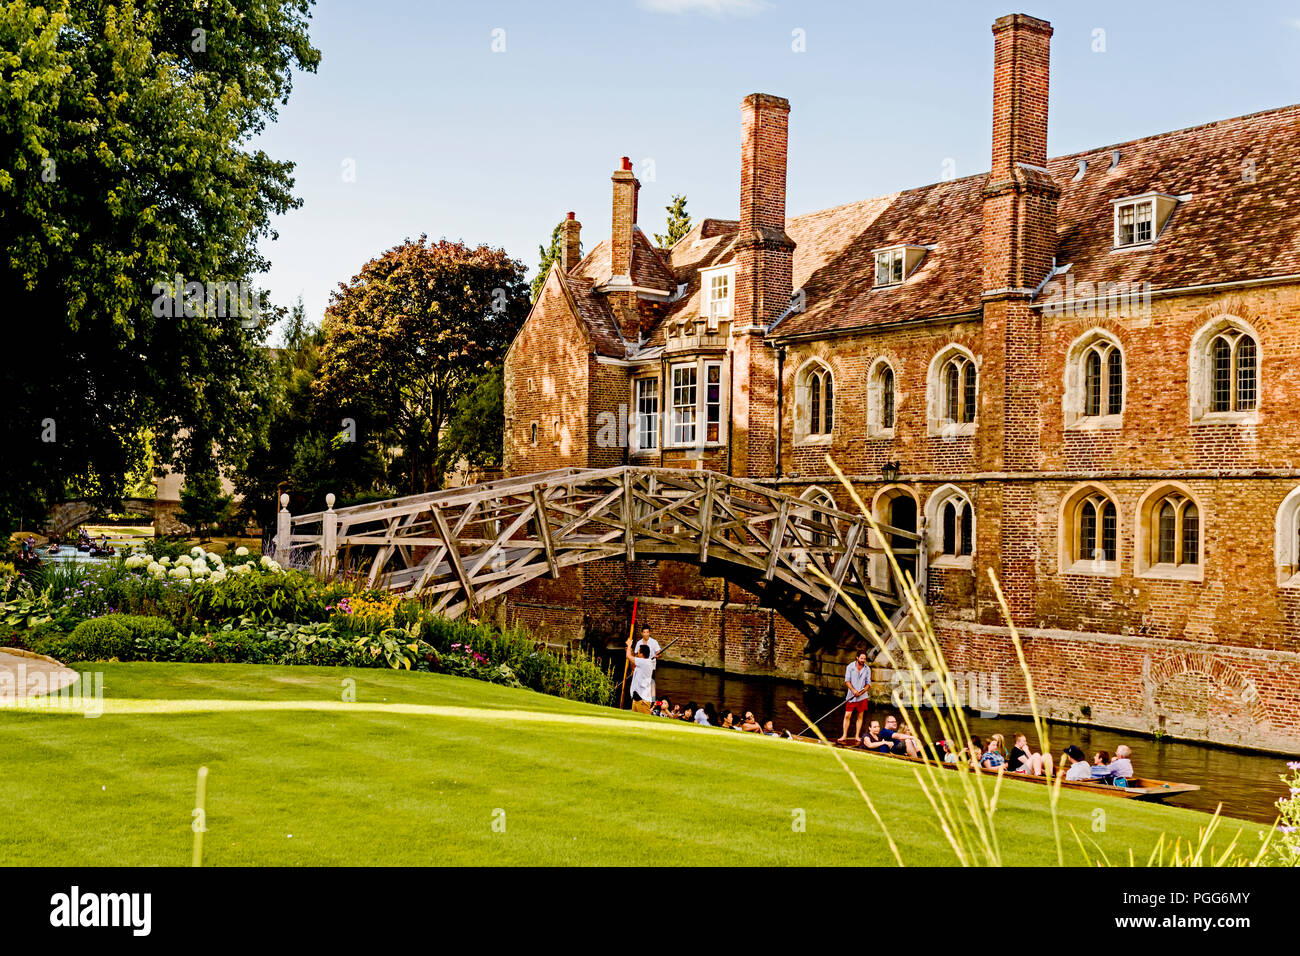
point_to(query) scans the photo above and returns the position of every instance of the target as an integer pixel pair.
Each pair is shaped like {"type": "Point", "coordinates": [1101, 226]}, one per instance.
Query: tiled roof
{"type": "Point", "coordinates": [1226, 229]}
{"type": "Point", "coordinates": [649, 270]}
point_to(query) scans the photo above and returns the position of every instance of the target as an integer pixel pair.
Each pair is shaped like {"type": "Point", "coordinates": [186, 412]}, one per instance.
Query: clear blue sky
{"type": "Point", "coordinates": [455, 140]}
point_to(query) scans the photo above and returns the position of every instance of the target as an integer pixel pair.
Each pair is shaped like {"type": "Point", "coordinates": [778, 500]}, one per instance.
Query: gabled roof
{"type": "Point", "coordinates": [649, 270]}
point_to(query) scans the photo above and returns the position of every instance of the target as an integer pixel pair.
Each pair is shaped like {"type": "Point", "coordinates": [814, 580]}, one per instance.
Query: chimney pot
{"type": "Point", "coordinates": [627, 164]}
{"type": "Point", "coordinates": [571, 216]}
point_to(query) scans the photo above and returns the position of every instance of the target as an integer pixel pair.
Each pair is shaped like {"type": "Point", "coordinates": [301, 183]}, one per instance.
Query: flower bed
{"type": "Point", "coordinates": [158, 605]}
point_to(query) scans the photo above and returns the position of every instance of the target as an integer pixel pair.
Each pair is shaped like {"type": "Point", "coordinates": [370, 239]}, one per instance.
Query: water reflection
{"type": "Point", "coordinates": [1247, 784]}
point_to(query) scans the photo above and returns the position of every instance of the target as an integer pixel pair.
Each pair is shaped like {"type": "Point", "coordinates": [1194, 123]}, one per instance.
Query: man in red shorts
{"type": "Point", "coordinates": [857, 679]}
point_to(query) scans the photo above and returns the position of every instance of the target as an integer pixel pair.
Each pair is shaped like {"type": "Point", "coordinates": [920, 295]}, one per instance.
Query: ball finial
{"type": "Point", "coordinates": [329, 500]}
{"type": "Point", "coordinates": [284, 500]}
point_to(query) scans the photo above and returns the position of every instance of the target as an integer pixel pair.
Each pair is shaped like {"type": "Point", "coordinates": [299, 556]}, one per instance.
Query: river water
{"type": "Point", "coordinates": [1245, 783]}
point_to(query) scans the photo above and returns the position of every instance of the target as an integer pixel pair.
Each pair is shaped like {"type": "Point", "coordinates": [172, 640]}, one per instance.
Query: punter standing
{"type": "Point", "coordinates": [857, 679]}
{"type": "Point", "coordinates": [643, 681]}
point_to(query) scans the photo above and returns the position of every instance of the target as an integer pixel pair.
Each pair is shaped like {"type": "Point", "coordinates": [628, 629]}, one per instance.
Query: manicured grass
{"type": "Point", "coordinates": [416, 771]}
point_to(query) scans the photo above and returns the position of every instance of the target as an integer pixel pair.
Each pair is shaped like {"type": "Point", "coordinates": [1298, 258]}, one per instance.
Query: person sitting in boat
{"type": "Point", "coordinates": [1122, 765]}
{"type": "Point", "coordinates": [689, 713]}
{"type": "Point", "coordinates": [750, 725]}
{"type": "Point", "coordinates": [1024, 759]}
{"type": "Point", "coordinates": [704, 716]}
{"type": "Point", "coordinates": [992, 758]}
{"type": "Point", "coordinates": [728, 720]}
{"type": "Point", "coordinates": [971, 752]}
{"type": "Point", "coordinates": [769, 730]}
{"type": "Point", "coordinates": [1077, 761]}
{"type": "Point", "coordinates": [1100, 772]}
{"type": "Point", "coordinates": [872, 740]}
{"type": "Point", "coordinates": [901, 742]}
{"type": "Point", "coordinates": [944, 751]}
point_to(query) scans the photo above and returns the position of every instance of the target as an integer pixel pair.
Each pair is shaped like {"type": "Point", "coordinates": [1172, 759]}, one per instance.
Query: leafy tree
{"type": "Point", "coordinates": [404, 339]}
{"type": "Point", "coordinates": [679, 223]}
{"type": "Point", "coordinates": [125, 162]}
{"type": "Point", "coordinates": [548, 254]}
{"type": "Point", "coordinates": [476, 430]}
{"type": "Point", "coordinates": [203, 506]}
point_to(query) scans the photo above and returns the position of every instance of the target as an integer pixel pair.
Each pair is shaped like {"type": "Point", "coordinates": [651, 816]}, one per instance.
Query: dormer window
{"type": "Point", "coordinates": [716, 290]}
{"type": "Point", "coordinates": [1140, 219]}
{"type": "Point", "coordinates": [895, 263]}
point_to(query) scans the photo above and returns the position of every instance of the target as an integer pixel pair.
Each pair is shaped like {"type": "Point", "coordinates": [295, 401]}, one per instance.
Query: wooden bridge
{"type": "Point", "coordinates": [461, 547]}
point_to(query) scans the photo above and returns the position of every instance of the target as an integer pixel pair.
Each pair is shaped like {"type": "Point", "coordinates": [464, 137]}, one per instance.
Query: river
{"type": "Point", "coordinates": [1245, 783]}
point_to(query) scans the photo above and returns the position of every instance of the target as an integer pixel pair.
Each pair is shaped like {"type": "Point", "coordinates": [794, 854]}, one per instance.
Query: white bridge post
{"type": "Point", "coordinates": [329, 538]}
{"type": "Point", "coordinates": [283, 529]}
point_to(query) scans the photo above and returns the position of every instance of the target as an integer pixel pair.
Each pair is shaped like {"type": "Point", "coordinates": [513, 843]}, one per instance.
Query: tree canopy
{"type": "Point", "coordinates": [407, 337]}
{"type": "Point", "coordinates": [125, 171]}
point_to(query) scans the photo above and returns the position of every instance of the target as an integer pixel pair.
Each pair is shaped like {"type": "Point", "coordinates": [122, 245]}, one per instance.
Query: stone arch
{"type": "Point", "coordinates": [814, 380]}
{"type": "Point", "coordinates": [1183, 694]}
{"type": "Point", "coordinates": [1286, 540]}
{"type": "Point", "coordinates": [1073, 400]}
{"type": "Point", "coordinates": [1200, 370]}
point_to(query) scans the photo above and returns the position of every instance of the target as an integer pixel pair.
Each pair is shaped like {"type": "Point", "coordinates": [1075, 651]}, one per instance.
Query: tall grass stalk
{"type": "Point", "coordinates": [968, 819]}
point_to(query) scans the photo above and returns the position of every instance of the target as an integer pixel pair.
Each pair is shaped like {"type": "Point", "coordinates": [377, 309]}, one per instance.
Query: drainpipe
{"type": "Point", "coordinates": [780, 401]}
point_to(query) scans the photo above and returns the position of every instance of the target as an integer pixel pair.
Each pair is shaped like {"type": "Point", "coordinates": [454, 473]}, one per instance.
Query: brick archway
{"type": "Point", "coordinates": [1174, 680]}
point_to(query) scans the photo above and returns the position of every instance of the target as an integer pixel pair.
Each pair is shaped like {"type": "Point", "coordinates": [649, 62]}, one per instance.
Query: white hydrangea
{"type": "Point", "coordinates": [185, 559]}
{"type": "Point", "coordinates": [135, 560]}
{"type": "Point", "coordinates": [196, 551]}
{"type": "Point", "coordinates": [164, 560]}
{"type": "Point", "coordinates": [217, 576]}
{"type": "Point", "coordinates": [242, 568]}
{"type": "Point", "coordinates": [180, 572]}
{"type": "Point", "coordinates": [155, 568]}
{"type": "Point", "coordinates": [241, 552]}
{"type": "Point", "coordinates": [270, 563]}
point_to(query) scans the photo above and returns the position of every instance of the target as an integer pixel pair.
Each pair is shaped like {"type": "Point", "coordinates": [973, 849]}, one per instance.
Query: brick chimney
{"type": "Point", "coordinates": [1019, 195]}
{"type": "Point", "coordinates": [626, 188]}
{"type": "Point", "coordinates": [570, 243]}
{"type": "Point", "coordinates": [764, 253]}
{"type": "Point", "coordinates": [1019, 242]}
{"type": "Point", "coordinates": [764, 268]}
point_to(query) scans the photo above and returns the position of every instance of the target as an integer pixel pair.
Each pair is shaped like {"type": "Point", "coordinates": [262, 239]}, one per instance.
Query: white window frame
{"type": "Point", "coordinates": [1286, 541]}
{"type": "Point", "coordinates": [1148, 526]}
{"type": "Point", "coordinates": [646, 424]}
{"type": "Point", "coordinates": [937, 421]}
{"type": "Point", "coordinates": [876, 427]}
{"type": "Point", "coordinates": [1159, 207]}
{"type": "Point", "coordinates": [1070, 524]}
{"type": "Point", "coordinates": [717, 294]}
{"type": "Point", "coordinates": [1200, 373]}
{"type": "Point", "coordinates": [1075, 393]}
{"type": "Point", "coordinates": [803, 433]}
{"type": "Point", "coordinates": [894, 259]}
{"type": "Point", "coordinates": [700, 408]}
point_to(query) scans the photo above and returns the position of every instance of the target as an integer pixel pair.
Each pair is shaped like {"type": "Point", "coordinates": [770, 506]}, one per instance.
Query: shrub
{"type": "Point", "coordinates": [114, 636]}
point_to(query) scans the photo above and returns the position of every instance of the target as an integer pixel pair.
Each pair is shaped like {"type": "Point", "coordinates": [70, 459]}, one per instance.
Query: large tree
{"type": "Point", "coordinates": [126, 169]}
{"type": "Point", "coordinates": [407, 336]}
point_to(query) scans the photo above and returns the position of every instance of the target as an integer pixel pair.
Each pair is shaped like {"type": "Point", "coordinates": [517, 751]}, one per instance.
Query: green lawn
{"type": "Point", "coordinates": [415, 771]}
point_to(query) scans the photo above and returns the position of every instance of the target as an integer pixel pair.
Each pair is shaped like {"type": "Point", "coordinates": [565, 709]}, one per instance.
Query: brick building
{"type": "Point", "coordinates": [1085, 371]}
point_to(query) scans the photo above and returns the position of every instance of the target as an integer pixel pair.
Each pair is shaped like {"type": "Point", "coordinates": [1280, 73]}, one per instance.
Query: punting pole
{"type": "Point", "coordinates": [824, 716]}
{"type": "Point", "coordinates": [626, 662]}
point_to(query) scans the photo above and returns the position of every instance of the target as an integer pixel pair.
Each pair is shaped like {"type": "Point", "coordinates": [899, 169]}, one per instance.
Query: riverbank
{"type": "Point", "coordinates": [426, 769]}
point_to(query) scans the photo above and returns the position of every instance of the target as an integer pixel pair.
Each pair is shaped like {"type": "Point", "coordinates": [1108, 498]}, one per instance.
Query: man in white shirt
{"type": "Point", "coordinates": [649, 643]}
{"type": "Point", "coordinates": [643, 681]}
{"type": "Point", "coordinates": [857, 680]}
{"type": "Point", "coordinates": [1080, 769]}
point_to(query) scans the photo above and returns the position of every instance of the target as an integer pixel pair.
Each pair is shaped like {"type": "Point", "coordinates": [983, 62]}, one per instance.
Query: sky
{"type": "Point", "coordinates": [487, 122]}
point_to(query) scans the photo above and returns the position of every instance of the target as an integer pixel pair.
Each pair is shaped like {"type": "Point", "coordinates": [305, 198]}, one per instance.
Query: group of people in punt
{"type": "Point", "coordinates": [1021, 757]}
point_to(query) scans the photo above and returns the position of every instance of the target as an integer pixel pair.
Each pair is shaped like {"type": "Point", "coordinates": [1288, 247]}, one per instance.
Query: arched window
{"type": "Point", "coordinates": [814, 402]}
{"type": "Point", "coordinates": [1094, 381]}
{"type": "Point", "coordinates": [1232, 363]}
{"type": "Point", "coordinates": [1286, 541]}
{"type": "Point", "coordinates": [1090, 532]}
{"type": "Point", "coordinates": [821, 529]}
{"type": "Point", "coordinates": [953, 392]}
{"type": "Point", "coordinates": [1172, 534]}
{"type": "Point", "coordinates": [882, 400]}
{"type": "Point", "coordinates": [951, 521]}
{"type": "Point", "coordinates": [1224, 372]}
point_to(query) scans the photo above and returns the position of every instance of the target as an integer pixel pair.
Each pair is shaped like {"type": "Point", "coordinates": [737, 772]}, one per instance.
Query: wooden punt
{"type": "Point", "coordinates": [1139, 788]}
